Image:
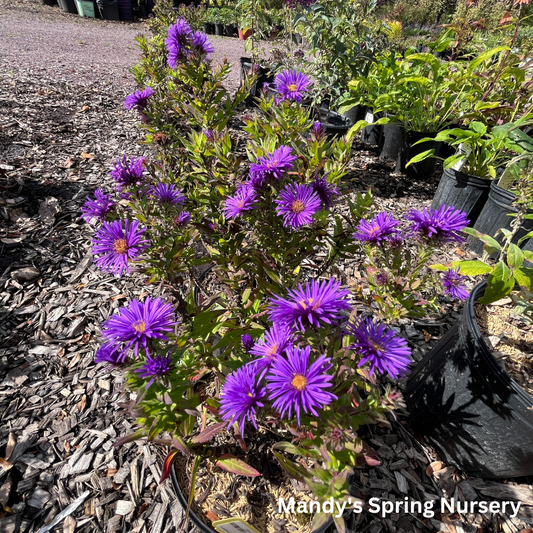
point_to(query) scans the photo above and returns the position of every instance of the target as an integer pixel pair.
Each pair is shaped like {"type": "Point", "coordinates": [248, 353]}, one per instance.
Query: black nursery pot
{"type": "Point", "coordinates": [230, 30]}
{"type": "Point", "coordinates": [468, 407]}
{"type": "Point", "coordinates": [48, 2]}
{"type": "Point", "coordinates": [336, 125]}
{"type": "Point", "coordinates": [108, 9]}
{"type": "Point", "coordinates": [265, 76]}
{"type": "Point", "coordinates": [390, 142]}
{"type": "Point", "coordinates": [425, 168]}
{"type": "Point", "coordinates": [371, 134]}
{"type": "Point", "coordinates": [462, 191]}
{"type": "Point", "coordinates": [219, 29]}
{"type": "Point", "coordinates": [69, 6]}
{"type": "Point", "coordinates": [327, 527]}
{"type": "Point", "coordinates": [495, 215]}
{"type": "Point", "coordinates": [209, 28]}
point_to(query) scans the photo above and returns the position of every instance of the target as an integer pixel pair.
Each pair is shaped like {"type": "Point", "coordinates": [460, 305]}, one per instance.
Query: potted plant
{"type": "Point", "coordinates": [229, 18]}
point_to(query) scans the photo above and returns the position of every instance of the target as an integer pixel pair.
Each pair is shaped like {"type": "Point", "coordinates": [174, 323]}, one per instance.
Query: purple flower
{"type": "Point", "coordinates": [326, 191]}
{"type": "Point", "coordinates": [271, 166]}
{"type": "Point", "coordinates": [377, 229]}
{"type": "Point", "coordinates": [108, 354]}
{"type": "Point", "coordinates": [291, 85]}
{"type": "Point", "coordinates": [97, 208]}
{"type": "Point", "coordinates": [209, 135]}
{"type": "Point", "coordinates": [139, 99]}
{"type": "Point", "coordinates": [313, 304]}
{"type": "Point", "coordinates": [128, 174]}
{"type": "Point", "coordinates": [380, 346]}
{"type": "Point", "coordinates": [297, 205]}
{"type": "Point", "coordinates": [274, 344]}
{"type": "Point", "coordinates": [116, 243]}
{"type": "Point", "coordinates": [293, 384]}
{"type": "Point", "coordinates": [155, 367]}
{"type": "Point", "coordinates": [317, 131]}
{"type": "Point", "coordinates": [179, 38]}
{"type": "Point", "coordinates": [442, 224]}
{"type": "Point", "coordinates": [453, 284]}
{"type": "Point", "coordinates": [247, 341]}
{"type": "Point", "coordinates": [299, 54]}
{"type": "Point", "coordinates": [135, 325]}
{"type": "Point", "coordinates": [201, 44]}
{"type": "Point", "coordinates": [240, 397]}
{"type": "Point", "coordinates": [182, 219]}
{"type": "Point", "coordinates": [167, 193]}
{"type": "Point", "coordinates": [243, 200]}
{"type": "Point", "coordinates": [396, 239]}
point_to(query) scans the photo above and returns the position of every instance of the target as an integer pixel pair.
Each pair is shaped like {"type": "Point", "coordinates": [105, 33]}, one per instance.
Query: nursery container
{"type": "Point", "coordinates": [468, 407]}
{"type": "Point", "coordinates": [462, 191]}
{"type": "Point", "coordinates": [264, 77]}
{"type": "Point", "coordinates": [355, 113]}
{"type": "Point", "coordinates": [209, 28]}
{"type": "Point", "coordinates": [390, 142]}
{"type": "Point", "coordinates": [219, 29]}
{"type": "Point", "coordinates": [327, 527]}
{"type": "Point", "coordinates": [370, 134]}
{"type": "Point", "coordinates": [124, 10]}
{"type": "Point", "coordinates": [336, 125]}
{"type": "Point", "coordinates": [230, 29]}
{"type": "Point", "coordinates": [48, 2]}
{"type": "Point", "coordinates": [69, 6]}
{"type": "Point", "coordinates": [425, 168]}
{"type": "Point", "coordinates": [108, 9]}
{"type": "Point", "coordinates": [495, 215]}
{"type": "Point", "coordinates": [85, 9]}
{"type": "Point", "coordinates": [244, 34]}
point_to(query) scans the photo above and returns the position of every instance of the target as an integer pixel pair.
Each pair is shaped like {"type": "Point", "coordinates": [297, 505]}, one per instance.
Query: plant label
{"type": "Point", "coordinates": [233, 525]}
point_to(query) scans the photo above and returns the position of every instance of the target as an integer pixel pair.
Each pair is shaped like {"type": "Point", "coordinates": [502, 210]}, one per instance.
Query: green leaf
{"type": "Point", "coordinates": [167, 465]}
{"type": "Point", "coordinates": [208, 433]}
{"type": "Point", "coordinates": [439, 267]}
{"type": "Point", "coordinates": [472, 268]}
{"type": "Point", "coordinates": [499, 284]}
{"type": "Point", "coordinates": [195, 465]}
{"type": "Point", "coordinates": [230, 463]}
{"type": "Point", "coordinates": [515, 257]}
{"type": "Point", "coordinates": [487, 239]}
{"type": "Point", "coordinates": [524, 277]}
{"type": "Point", "coordinates": [484, 56]}
{"type": "Point", "coordinates": [420, 157]}
{"type": "Point", "coordinates": [526, 237]}
{"type": "Point", "coordinates": [293, 470]}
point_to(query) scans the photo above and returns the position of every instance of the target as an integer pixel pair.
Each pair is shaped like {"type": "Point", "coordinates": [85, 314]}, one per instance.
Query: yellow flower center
{"type": "Point", "coordinates": [273, 350]}
{"type": "Point", "coordinates": [292, 87]}
{"type": "Point", "coordinates": [240, 204]}
{"type": "Point", "coordinates": [377, 347]}
{"type": "Point", "coordinates": [120, 246]}
{"type": "Point", "coordinates": [297, 206]}
{"type": "Point", "coordinates": [299, 382]}
{"type": "Point", "coordinates": [139, 326]}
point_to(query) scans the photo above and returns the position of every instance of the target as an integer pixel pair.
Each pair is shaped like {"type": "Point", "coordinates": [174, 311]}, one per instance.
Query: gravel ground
{"type": "Point", "coordinates": [48, 42]}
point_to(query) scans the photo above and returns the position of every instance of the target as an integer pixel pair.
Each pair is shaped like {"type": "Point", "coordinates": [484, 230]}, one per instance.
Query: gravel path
{"type": "Point", "coordinates": [50, 43]}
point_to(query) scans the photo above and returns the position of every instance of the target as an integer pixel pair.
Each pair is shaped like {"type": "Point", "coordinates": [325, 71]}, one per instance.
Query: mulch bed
{"type": "Point", "coordinates": [58, 412]}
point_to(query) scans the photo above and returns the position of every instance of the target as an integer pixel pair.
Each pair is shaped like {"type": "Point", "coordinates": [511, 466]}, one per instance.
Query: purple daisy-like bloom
{"type": "Point", "coordinates": [178, 39]}
{"type": "Point", "coordinates": [317, 131]}
{"type": "Point", "coordinates": [155, 367]}
{"type": "Point", "coordinates": [273, 345]}
{"type": "Point", "coordinates": [396, 239]}
{"type": "Point", "coordinates": [380, 346]}
{"type": "Point", "coordinates": [271, 166]}
{"type": "Point", "coordinates": [247, 341]}
{"type": "Point", "coordinates": [240, 397]}
{"type": "Point", "coordinates": [297, 205]}
{"type": "Point", "coordinates": [135, 325]}
{"type": "Point", "coordinates": [243, 200]}
{"type": "Point", "coordinates": [128, 174]}
{"type": "Point", "coordinates": [453, 284]}
{"type": "Point", "coordinates": [108, 354]}
{"type": "Point", "coordinates": [116, 243]}
{"type": "Point", "coordinates": [377, 229]}
{"type": "Point", "coordinates": [294, 384]}
{"type": "Point", "coordinates": [291, 85]}
{"type": "Point", "coordinates": [139, 99]}
{"type": "Point", "coordinates": [442, 224]}
{"type": "Point", "coordinates": [209, 135]}
{"type": "Point", "coordinates": [201, 44]}
{"type": "Point", "coordinates": [313, 304]}
{"type": "Point", "coordinates": [167, 193]}
{"type": "Point", "coordinates": [326, 191]}
{"type": "Point", "coordinates": [97, 208]}
{"type": "Point", "coordinates": [182, 219]}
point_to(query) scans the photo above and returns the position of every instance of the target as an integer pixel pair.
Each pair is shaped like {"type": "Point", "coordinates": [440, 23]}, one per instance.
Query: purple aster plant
{"type": "Point", "coordinates": [109, 355]}
{"type": "Point", "coordinates": [297, 205]}
{"type": "Point", "coordinates": [442, 224]}
{"type": "Point", "coordinates": [167, 193]}
{"type": "Point", "coordinates": [209, 135]}
{"type": "Point", "coordinates": [326, 191]}
{"type": "Point", "coordinates": [243, 200]}
{"type": "Point", "coordinates": [314, 304]}
{"type": "Point", "coordinates": [317, 131]}
{"type": "Point", "coordinates": [139, 99]}
{"type": "Point", "coordinates": [272, 166]}
{"type": "Point", "coordinates": [294, 385]}
{"type": "Point", "coordinates": [97, 208]}
{"type": "Point", "coordinates": [380, 346]}
{"type": "Point", "coordinates": [273, 345]}
{"type": "Point", "coordinates": [156, 367]}
{"type": "Point", "coordinates": [139, 323]}
{"type": "Point", "coordinates": [247, 341]}
{"type": "Point", "coordinates": [201, 44]}
{"type": "Point", "coordinates": [377, 229]}
{"type": "Point", "coordinates": [291, 85]}
{"type": "Point", "coordinates": [182, 219]}
{"type": "Point", "coordinates": [453, 284]}
{"type": "Point", "coordinates": [128, 174]}
{"type": "Point", "coordinates": [178, 41]}
{"type": "Point", "coordinates": [240, 397]}
{"type": "Point", "coordinates": [116, 243]}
